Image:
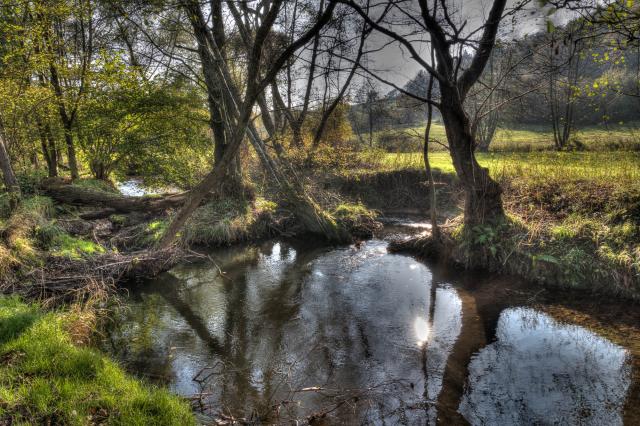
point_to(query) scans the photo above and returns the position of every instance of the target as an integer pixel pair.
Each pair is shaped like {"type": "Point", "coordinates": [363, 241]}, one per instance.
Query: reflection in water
{"type": "Point", "coordinates": [541, 372]}
{"type": "Point", "coordinates": [422, 330]}
{"type": "Point", "coordinates": [294, 331]}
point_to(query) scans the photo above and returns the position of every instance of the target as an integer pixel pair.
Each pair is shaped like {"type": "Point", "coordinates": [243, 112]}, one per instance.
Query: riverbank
{"type": "Point", "coordinates": [565, 228]}
{"type": "Point", "coordinates": [49, 376]}
{"type": "Point", "coordinates": [73, 241]}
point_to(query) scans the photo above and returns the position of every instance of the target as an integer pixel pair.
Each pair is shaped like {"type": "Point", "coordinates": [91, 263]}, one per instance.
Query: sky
{"type": "Point", "coordinates": [393, 63]}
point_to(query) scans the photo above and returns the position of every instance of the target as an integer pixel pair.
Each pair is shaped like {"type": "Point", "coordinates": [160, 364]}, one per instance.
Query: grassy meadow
{"type": "Point", "coordinates": [590, 165]}
{"type": "Point", "coordinates": [604, 154]}
{"type": "Point", "coordinates": [529, 138]}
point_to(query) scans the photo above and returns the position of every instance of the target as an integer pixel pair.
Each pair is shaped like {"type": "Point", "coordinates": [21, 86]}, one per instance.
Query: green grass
{"type": "Point", "coordinates": [530, 138]}
{"type": "Point", "coordinates": [45, 379]}
{"type": "Point", "coordinates": [601, 166]}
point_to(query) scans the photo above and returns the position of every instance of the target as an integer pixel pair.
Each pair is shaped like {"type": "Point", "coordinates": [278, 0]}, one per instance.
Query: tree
{"type": "Point", "coordinates": [259, 76]}
{"type": "Point", "coordinates": [565, 55]}
{"type": "Point", "coordinates": [67, 32]}
{"type": "Point", "coordinates": [9, 178]}
{"type": "Point", "coordinates": [483, 201]}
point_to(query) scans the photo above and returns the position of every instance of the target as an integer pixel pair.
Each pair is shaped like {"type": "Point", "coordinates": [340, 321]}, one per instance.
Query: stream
{"type": "Point", "coordinates": [294, 330]}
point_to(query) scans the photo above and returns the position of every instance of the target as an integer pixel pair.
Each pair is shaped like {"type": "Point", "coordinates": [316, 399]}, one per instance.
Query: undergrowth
{"type": "Point", "coordinates": [573, 237]}
{"type": "Point", "coordinates": [31, 233]}
{"type": "Point", "coordinates": [228, 221]}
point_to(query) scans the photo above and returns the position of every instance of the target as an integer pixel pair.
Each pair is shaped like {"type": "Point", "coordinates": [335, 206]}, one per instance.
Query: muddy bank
{"type": "Point", "coordinates": [396, 192]}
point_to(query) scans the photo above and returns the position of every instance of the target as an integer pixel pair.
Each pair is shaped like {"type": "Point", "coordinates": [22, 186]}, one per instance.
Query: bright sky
{"type": "Point", "coordinates": [395, 64]}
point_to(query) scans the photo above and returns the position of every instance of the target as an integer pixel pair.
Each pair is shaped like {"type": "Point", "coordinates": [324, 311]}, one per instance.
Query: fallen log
{"type": "Point", "coordinates": [64, 192]}
{"type": "Point", "coordinates": [98, 214]}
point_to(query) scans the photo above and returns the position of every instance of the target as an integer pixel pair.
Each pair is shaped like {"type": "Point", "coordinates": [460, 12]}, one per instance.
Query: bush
{"type": "Point", "coordinates": [30, 182]}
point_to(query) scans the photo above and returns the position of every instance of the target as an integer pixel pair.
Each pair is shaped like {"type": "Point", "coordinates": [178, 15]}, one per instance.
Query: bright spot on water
{"type": "Point", "coordinates": [414, 266]}
{"type": "Point", "coordinates": [422, 330]}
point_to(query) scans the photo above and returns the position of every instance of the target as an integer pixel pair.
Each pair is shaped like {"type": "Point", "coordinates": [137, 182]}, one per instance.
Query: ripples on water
{"type": "Point", "coordinates": [292, 330]}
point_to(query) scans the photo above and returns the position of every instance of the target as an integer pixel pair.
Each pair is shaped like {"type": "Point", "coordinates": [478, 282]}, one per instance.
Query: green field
{"type": "Point", "coordinates": [620, 166]}
{"type": "Point", "coordinates": [532, 138]}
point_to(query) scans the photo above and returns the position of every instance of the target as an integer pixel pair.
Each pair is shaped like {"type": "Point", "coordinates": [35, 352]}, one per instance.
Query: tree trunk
{"type": "Point", "coordinates": [297, 135]}
{"type": "Point", "coordinates": [67, 122]}
{"type": "Point", "coordinates": [232, 180]}
{"type": "Point", "coordinates": [210, 41]}
{"type": "Point", "coordinates": [433, 213]}
{"type": "Point", "coordinates": [483, 195]}
{"type": "Point", "coordinates": [9, 178]}
{"type": "Point", "coordinates": [48, 147]}
{"type": "Point", "coordinates": [72, 194]}
{"type": "Point", "coordinates": [71, 150]}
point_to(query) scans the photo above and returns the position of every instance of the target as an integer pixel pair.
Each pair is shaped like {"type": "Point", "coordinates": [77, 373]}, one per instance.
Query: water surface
{"type": "Point", "coordinates": [291, 330]}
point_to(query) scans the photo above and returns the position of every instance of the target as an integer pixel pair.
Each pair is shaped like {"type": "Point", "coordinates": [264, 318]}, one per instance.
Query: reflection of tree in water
{"type": "Point", "coordinates": [297, 334]}
{"type": "Point", "coordinates": [131, 337]}
{"type": "Point", "coordinates": [539, 371]}
{"type": "Point", "coordinates": [270, 349]}
{"type": "Point", "coordinates": [250, 349]}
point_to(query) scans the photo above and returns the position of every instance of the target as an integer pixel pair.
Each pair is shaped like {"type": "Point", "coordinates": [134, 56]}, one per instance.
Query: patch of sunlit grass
{"type": "Point", "coordinates": [46, 379]}
{"type": "Point", "coordinates": [602, 166]}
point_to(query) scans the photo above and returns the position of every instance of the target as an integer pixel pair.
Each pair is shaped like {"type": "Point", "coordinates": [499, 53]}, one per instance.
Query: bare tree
{"type": "Point", "coordinates": [483, 201]}
{"type": "Point", "coordinates": [563, 59]}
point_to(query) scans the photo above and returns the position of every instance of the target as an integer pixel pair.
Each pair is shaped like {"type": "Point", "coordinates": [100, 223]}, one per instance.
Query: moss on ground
{"type": "Point", "coordinates": [356, 218]}
{"type": "Point", "coordinates": [96, 184]}
{"type": "Point", "coordinates": [46, 379]}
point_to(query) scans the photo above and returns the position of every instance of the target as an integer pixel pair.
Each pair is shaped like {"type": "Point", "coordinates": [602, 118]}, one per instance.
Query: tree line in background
{"type": "Point", "coordinates": [559, 80]}
{"type": "Point", "coordinates": [178, 91]}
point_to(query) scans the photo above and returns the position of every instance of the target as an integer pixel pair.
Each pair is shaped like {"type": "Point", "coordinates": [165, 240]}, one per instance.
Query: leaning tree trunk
{"type": "Point", "coordinates": [483, 195]}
